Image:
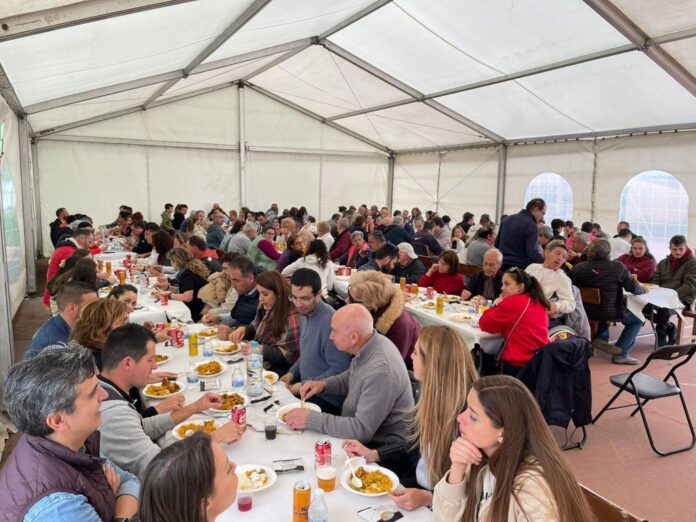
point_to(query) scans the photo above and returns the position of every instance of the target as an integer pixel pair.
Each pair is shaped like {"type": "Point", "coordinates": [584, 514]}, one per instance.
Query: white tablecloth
{"type": "Point", "coordinates": [155, 312]}
{"type": "Point", "coordinates": [658, 296]}
{"type": "Point", "coordinates": [275, 503]}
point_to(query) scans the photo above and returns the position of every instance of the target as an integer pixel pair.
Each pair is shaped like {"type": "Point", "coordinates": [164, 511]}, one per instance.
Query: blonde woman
{"type": "Point", "coordinates": [191, 276]}
{"type": "Point", "coordinates": [444, 368]}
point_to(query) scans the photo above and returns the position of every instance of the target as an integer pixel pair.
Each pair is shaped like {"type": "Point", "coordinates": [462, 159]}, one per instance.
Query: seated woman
{"type": "Point", "coordinates": [506, 464]}
{"type": "Point", "coordinates": [294, 251]}
{"type": "Point", "coordinates": [385, 301]}
{"type": "Point", "coordinates": [128, 295]}
{"type": "Point", "coordinates": [553, 280]}
{"type": "Point", "coordinates": [191, 276]}
{"type": "Point", "coordinates": [137, 238]}
{"type": "Point", "coordinates": [520, 315]}
{"type": "Point", "coordinates": [198, 224]}
{"type": "Point", "coordinates": [190, 480]}
{"type": "Point", "coordinates": [261, 251]}
{"type": "Point", "coordinates": [357, 253]}
{"type": "Point", "coordinates": [180, 239]}
{"type": "Point", "coordinates": [445, 371]}
{"type": "Point", "coordinates": [162, 243]}
{"type": "Point", "coordinates": [276, 326]}
{"type": "Point", "coordinates": [640, 262]}
{"type": "Point", "coordinates": [96, 322]}
{"type": "Point", "coordinates": [444, 275]}
{"type": "Point", "coordinates": [317, 259]}
{"type": "Point", "coordinates": [459, 238]}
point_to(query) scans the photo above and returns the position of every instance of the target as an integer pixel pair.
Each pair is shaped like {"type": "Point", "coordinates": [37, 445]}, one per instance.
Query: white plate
{"type": "Point", "coordinates": [461, 317]}
{"type": "Point", "coordinates": [240, 471]}
{"type": "Point", "coordinates": [284, 409]}
{"type": "Point", "coordinates": [242, 395]}
{"type": "Point", "coordinates": [222, 364]}
{"type": "Point", "coordinates": [270, 377]}
{"type": "Point", "coordinates": [346, 475]}
{"type": "Point", "coordinates": [144, 391]}
{"type": "Point", "coordinates": [200, 422]}
{"type": "Point", "coordinates": [165, 361]}
{"type": "Point", "coordinates": [217, 344]}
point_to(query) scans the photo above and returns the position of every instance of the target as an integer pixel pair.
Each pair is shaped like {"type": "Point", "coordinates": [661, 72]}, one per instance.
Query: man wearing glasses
{"type": "Point", "coordinates": [319, 357]}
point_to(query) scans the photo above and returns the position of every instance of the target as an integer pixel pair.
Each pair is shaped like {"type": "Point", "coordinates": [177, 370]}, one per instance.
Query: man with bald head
{"type": "Point", "coordinates": [376, 385]}
{"type": "Point", "coordinates": [487, 284]}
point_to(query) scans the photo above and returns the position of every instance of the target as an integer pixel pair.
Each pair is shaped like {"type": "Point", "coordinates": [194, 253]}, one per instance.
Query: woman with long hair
{"type": "Point", "coordinates": [640, 262]}
{"type": "Point", "coordinates": [198, 224]}
{"type": "Point", "coordinates": [317, 259]}
{"type": "Point", "coordinates": [162, 243]}
{"type": "Point", "coordinates": [520, 315]}
{"type": "Point", "coordinates": [191, 276]}
{"type": "Point", "coordinates": [180, 239]}
{"type": "Point", "coordinates": [276, 326]}
{"type": "Point", "coordinates": [444, 275]}
{"type": "Point", "coordinates": [445, 371]}
{"type": "Point", "coordinates": [506, 465]}
{"type": "Point", "coordinates": [294, 251]}
{"type": "Point", "coordinates": [191, 480]}
{"type": "Point", "coordinates": [96, 322]}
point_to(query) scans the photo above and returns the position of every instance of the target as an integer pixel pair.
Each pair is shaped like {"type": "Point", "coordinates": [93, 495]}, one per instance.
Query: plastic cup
{"type": "Point", "coordinates": [326, 478]}
{"type": "Point", "coordinates": [270, 426]}
{"type": "Point", "coordinates": [244, 501]}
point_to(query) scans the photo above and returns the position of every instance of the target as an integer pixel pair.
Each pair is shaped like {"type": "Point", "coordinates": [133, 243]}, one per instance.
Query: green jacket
{"type": "Point", "coordinates": [166, 223]}
{"type": "Point", "coordinates": [683, 280]}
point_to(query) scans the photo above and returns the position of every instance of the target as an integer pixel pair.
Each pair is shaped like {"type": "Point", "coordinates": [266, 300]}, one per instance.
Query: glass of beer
{"type": "Point", "coordinates": [326, 478]}
{"type": "Point", "coordinates": [402, 283]}
{"type": "Point", "coordinates": [414, 289]}
{"type": "Point", "coordinates": [108, 267]}
{"type": "Point", "coordinates": [100, 265]}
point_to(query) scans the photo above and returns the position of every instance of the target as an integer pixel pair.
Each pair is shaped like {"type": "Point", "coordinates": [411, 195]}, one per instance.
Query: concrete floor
{"type": "Point", "coordinates": [616, 462]}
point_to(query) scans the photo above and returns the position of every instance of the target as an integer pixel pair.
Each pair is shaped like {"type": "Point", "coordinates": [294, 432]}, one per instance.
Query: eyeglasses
{"type": "Point", "coordinates": [305, 300]}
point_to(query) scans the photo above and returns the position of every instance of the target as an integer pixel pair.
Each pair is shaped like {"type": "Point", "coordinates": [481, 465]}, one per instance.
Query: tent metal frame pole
{"type": "Point", "coordinates": [321, 119]}
{"type": "Point", "coordinates": [36, 22]}
{"type": "Point", "coordinates": [242, 146]}
{"type": "Point", "coordinates": [275, 62]}
{"type": "Point", "coordinates": [28, 210]}
{"type": "Point", "coordinates": [390, 181]}
{"type": "Point", "coordinates": [354, 18]}
{"type": "Point", "coordinates": [230, 31]}
{"type": "Point", "coordinates": [437, 188]}
{"type": "Point", "coordinates": [143, 143]}
{"type": "Point", "coordinates": [6, 336]}
{"type": "Point", "coordinates": [314, 152]}
{"type": "Point", "coordinates": [599, 134]}
{"type": "Point", "coordinates": [8, 92]}
{"type": "Point", "coordinates": [500, 188]}
{"type": "Point", "coordinates": [36, 188]}
{"type": "Point", "coordinates": [619, 21]}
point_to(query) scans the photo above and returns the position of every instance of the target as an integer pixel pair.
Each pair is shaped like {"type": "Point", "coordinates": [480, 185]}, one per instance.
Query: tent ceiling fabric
{"type": "Point", "coordinates": [378, 56]}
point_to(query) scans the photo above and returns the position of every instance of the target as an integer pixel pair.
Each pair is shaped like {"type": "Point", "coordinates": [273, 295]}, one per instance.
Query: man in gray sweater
{"type": "Point", "coordinates": [376, 385]}
{"type": "Point", "coordinates": [127, 438]}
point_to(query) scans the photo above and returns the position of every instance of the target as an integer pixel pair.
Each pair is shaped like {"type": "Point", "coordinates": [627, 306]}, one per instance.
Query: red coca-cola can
{"type": "Point", "coordinates": [341, 270]}
{"type": "Point", "coordinates": [164, 298]}
{"type": "Point", "coordinates": [238, 415]}
{"type": "Point", "coordinates": [176, 337]}
{"type": "Point", "coordinates": [322, 452]}
{"type": "Point", "coordinates": [349, 270]}
{"type": "Point", "coordinates": [159, 326]}
{"type": "Point", "coordinates": [430, 292]}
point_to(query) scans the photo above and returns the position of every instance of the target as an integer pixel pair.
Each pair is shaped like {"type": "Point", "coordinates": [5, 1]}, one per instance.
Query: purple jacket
{"type": "Point", "coordinates": [395, 323]}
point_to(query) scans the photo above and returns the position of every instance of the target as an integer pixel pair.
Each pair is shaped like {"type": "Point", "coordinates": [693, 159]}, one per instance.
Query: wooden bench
{"type": "Point", "coordinates": [426, 260]}
{"type": "Point", "coordinates": [467, 270]}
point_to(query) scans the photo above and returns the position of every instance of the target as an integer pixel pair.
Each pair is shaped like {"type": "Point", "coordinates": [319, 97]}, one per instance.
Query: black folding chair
{"type": "Point", "coordinates": [646, 388]}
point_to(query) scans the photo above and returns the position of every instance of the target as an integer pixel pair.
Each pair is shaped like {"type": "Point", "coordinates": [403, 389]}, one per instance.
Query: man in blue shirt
{"type": "Point", "coordinates": [319, 357]}
{"type": "Point", "coordinates": [56, 330]}
{"type": "Point", "coordinates": [55, 472]}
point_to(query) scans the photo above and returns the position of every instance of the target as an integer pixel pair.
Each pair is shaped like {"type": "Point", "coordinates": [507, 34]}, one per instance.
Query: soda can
{"type": "Point", "coordinates": [430, 292]}
{"type": "Point", "coordinates": [349, 270]}
{"type": "Point", "coordinates": [301, 498]}
{"type": "Point", "coordinates": [238, 415]}
{"type": "Point", "coordinates": [159, 326]}
{"type": "Point", "coordinates": [164, 298]}
{"type": "Point", "coordinates": [176, 337]}
{"type": "Point", "coordinates": [322, 452]}
{"type": "Point", "coordinates": [341, 270]}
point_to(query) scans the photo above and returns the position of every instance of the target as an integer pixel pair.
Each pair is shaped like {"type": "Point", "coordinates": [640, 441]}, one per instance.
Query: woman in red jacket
{"type": "Point", "coordinates": [444, 275]}
{"type": "Point", "coordinates": [640, 261]}
{"type": "Point", "coordinates": [520, 315]}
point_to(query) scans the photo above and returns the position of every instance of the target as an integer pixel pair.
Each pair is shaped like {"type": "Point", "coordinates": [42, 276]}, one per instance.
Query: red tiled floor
{"type": "Point", "coordinates": [617, 461]}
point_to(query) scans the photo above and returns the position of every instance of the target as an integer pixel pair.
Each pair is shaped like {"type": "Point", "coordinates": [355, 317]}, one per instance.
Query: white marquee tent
{"type": "Point", "coordinates": [452, 105]}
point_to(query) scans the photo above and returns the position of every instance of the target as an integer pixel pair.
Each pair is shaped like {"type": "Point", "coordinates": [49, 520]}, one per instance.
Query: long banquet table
{"type": "Point", "coordinates": [275, 503]}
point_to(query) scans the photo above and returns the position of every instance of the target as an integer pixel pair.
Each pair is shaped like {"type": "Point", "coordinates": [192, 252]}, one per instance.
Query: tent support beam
{"type": "Point", "coordinates": [599, 134]}
{"type": "Point", "coordinates": [635, 35]}
{"type": "Point", "coordinates": [277, 61]}
{"type": "Point", "coordinates": [36, 191]}
{"type": "Point", "coordinates": [312, 115]}
{"type": "Point", "coordinates": [242, 146]}
{"type": "Point", "coordinates": [143, 143]}
{"type": "Point", "coordinates": [230, 31]}
{"type": "Point", "coordinates": [390, 182]}
{"type": "Point", "coordinates": [500, 189]}
{"type": "Point", "coordinates": [8, 92]}
{"type": "Point", "coordinates": [354, 18]}
{"type": "Point", "coordinates": [28, 210]}
{"type": "Point", "coordinates": [314, 152]}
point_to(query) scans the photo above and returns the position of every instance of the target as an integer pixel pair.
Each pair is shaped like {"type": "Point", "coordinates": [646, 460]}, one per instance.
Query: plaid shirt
{"type": "Point", "coordinates": [287, 345]}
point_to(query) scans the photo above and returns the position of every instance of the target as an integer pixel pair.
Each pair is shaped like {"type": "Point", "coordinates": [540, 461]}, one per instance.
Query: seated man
{"type": "Point", "coordinates": [241, 241]}
{"type": "Point", "coordinates": [478, 247]}
{"type": "Point", "coordinates": [215, 232]}
{"type": "Point", "coordinates": [409, 266]}
{"type": "Point", "coordinates": [545, 236]}
{"type": "Point", "coordinates": [128, 438]}
{"type": "Point", "coordinates": [394, 231]}
{"type": "Point", "coordinates": [242, 274]}
{"type": "Point", "coordinates": [487, 284]}
{"type": "Point", "coordinates": [319, 357]}
{"type": "Point", "coordinates": [425, 243]}
{"type": "Point", "coordinates": [56, 330]}
{"type": "Point", "coordinates": [196, 245]}
{"type": "Point", "coordinates": [376, 241]}
{"type": "Point", "coordinates": [384, 260]}
{"type": "Point", "coordinates": [55, 472]}
{"type": "Point", "coordinates": [377, 387]}
{"type": "Point", "coordinates": [678, 272]}
{"type": "Point", "coordinates": [610, 277]}
{"type": "Point", "coordinates": [621, 243]}
{"type": "Point", "coordinates": [553, 280]}
{"type": "Point", "coordinates": [581, 242]}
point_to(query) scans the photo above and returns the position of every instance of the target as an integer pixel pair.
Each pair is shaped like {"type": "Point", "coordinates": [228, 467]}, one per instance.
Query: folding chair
{"type": "Point", "coordinates": [646, 388]}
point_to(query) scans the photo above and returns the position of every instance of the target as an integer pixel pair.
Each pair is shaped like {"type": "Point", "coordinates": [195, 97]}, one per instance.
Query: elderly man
{"type": "Point", "coordinates": [555, 283]}
{"type": "Point", "coordinates": [56, 472]}
{"type": "Point", "coordinates": [384, 260]}
{"type": "Point", "coordinates": [678, 272]}
{"type": "Point", "coordinates": [581, 242]}
{"type": "Point", "coordinates": [408, 265]}
{"type": "Point", "coordinates": [319, 357]}
{"type": "Point", "coordinates": [240, 242]}
{"type": "Point", "coordinates": [242, 274]}
{"type": "Point", "coordinates": [611, 278]}
{"type": "Point", "coordinates": [518, 237]}
{"type": "Point", "coordinates": [545, 235]}
{"type": "Point", "coordinates": [128, 438]}
{"type": "Point", "coordinates": [376, 241]}
{"type": "Point", "coordinates": [342, 243]}
{"type": "Point", "coordinates": [487, 284]}
{"type": "Point", "coordinates": [56, 330]}
{"type": "Point", "coordinates": [216, 233]}
{"type": "Point", "coordinates": [478, 247]}
{"type": "Point", "coordinates": [377, 387]}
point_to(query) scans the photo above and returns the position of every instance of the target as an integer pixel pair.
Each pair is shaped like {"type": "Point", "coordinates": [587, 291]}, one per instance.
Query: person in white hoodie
{"type": "Point", "coordinates": [317, 259]}
{"type": "Point", "coordinates": [553, 280]}
{"type": "Point", "coordinates": [324, 233]}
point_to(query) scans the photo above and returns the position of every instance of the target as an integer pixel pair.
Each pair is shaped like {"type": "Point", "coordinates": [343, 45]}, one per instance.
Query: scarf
{"type": "Point", "coordinates": [676, 263]}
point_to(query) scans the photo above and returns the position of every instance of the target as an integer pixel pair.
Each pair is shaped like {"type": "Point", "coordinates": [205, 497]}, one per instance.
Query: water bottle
{"type": "Point", "coordinates": [255, 371]}
{"type": "Point", "coordinates": [192, 375]}
{"type": "Point", "coordinates": [318, 510]}
{"type": "Point", "coordinates": [207, 349]}
{"type": "Point", "coordinates": [237, 380]}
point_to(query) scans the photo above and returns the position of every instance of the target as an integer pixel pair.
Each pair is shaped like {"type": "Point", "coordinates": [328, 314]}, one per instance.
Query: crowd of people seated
{"type": "Point", "coordinates": [468, 447]}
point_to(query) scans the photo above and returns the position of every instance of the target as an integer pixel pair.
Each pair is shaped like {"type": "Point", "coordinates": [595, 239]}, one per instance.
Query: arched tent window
{"type": "Point", "coordinates": [557, 193]}
{"type": "Point", "coordinates": [656, 206]}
